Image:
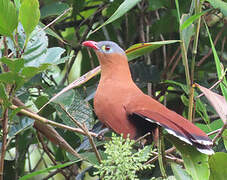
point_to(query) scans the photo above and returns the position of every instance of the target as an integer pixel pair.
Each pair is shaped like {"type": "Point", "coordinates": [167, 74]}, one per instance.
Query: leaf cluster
{"type": "Point", "coordinates": [121, 162]}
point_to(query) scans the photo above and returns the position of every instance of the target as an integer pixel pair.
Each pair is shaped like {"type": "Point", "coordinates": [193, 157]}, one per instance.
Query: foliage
{"type": "Point", "coordinates": [41, 54]}
{"type": "Point", "coordinates": [121, 162]}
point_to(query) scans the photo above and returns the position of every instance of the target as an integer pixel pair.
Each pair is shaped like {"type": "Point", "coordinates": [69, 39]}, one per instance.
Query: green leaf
{"type": "Point", "coordinates": [15, 65]}
{"type": "Point", "coordinates": [20, 125]}
{"type": "Point", "coordinates": [220, 5]}
{"type": "Point", "coordinates": [179, 172]}
{"type": "Point", "coordinates": [191, 19]}
{"type": "Point", "coordinates": [154, 5]}
{"type": "Point", "coordinates": [187, 32]}
{"type": "Point", "coordinates": [224, 137]}
{"type": "Point", "coordinates": [122, 9]}
{"type": "Point", "coordinates": [35, 51]}
{"type": "Point", "coordinates": [17, 4]}
{"type": "Point", "coordinates": [56, 8]}
{"type": "Point", "coordinates": [182, 86]}
{"type": "Point", "coordinates": [66, 99]}
{"type": "Point", "coordinates": [53, 55]}
{"type": "Point", "coordinates": [8, 18]}
{"type": "Point", "coordinates": [75, 105]}
{"type": "Point", "coordinates": [29, 15]}
{"type": "Point", "coordinates": [29, 72]}
{"type": "Point", "coordinates": [11, 78]}
{"type": "Point", "coordinates": [178, 10]}
{"type": "Point", "coordinates": [47, 170]}
{"type": "Point", "coordinates": [75, 72]}
{"type": "Point", "coordinates": [219, 66]}
{"type": "Point", "coordinates": [140, 49]}
{"type": "Point", "coordinates": [195, 162]}
{"type": "Point", "coordinates": [215, 125]}
{"type": "Point", "coordinates": [4, 96]}
{"type": "Point", "coordinates": [218, 164]}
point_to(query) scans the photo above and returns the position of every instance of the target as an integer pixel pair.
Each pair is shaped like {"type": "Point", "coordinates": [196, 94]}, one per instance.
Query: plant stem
{"type": "Point", "coordinates": [194, 53]}
{"type": "Point", "coordinates": [161, 154]}
{"type": "Point", "coordinates": [4, 141]}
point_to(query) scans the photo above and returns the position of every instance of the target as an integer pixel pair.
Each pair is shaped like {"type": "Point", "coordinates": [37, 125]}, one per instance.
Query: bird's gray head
{"type": "Point", "coordinates": [106, 47]}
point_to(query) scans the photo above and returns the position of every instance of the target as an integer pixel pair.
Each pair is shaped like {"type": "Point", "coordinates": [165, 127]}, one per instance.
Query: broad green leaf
{"type": "Point", "coordinates": [219, 66]}
{"type": "Point", "coordinates": [224, 137]}
{"type": "Point", "coordinates": [154, 5]}
{"type": "Point", "coordinates": [11, 78]}
{"type": "Point", "coordinates": [29, 72]}
{"type": "Point", "coordinates": [220, 4]}
{"type": "Point", "coordinates": [140, 49]}
{"type": "Point", "coordinates": [47, 170]}
{"type": "Point", "coordinates": [53, 55]}
{"type": "Point", "coordinates": [182, 86]}
{"type": "Point", "coordinates": [66, 99]}
{"type": "Point", "coordinates": [215, 125]}
{"type": "Point", "coordinates": [29, 15]}
{"type": "Point", "coordinates": [4, 96]}
{"type": "Point", "coordinates": [15, 65]}
{"type": "Point", "coordinates": [188, 32]}
{"type": "Point", "coordinates": [122, 9]}
{"type": "Point", "coordinates": [179, 172]}
{"type": "Point", "coordinates": [75, 72]}
{"type": "Point", "coordinates": [79, 109]}
{"type": "Point", "coordinates": [20, 125]}
{"type": "Point", "coordinates": [218, 165]}
{"type": "Point", "coordinates": [17, 4]}
{"type": "Point", "coordinates": [195, 162]}
{"type": "Point", "coordinates": [35, 51]}
{"type": "Point", "coordinates": [8, 18]}
{"type": "Point", "coordinates": [53, 9]}
{"type": "Point", "coordinates": [191, 19]}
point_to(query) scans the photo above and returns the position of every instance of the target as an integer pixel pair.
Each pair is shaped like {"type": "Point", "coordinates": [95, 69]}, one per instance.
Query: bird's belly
{"type": "Point", "coordinates": [112, 113]}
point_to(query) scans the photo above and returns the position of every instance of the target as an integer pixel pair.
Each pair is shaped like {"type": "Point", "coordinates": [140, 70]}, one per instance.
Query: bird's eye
{"type": "Point", "coordinates": [106, 48]}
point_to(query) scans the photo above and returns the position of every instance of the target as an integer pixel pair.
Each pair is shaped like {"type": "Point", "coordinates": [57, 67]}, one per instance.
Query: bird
{"type": "Point", "coordinates": [124, 108]}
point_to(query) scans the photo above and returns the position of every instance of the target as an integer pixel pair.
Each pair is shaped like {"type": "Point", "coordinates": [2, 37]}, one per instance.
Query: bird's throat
{"type": "Point", "coordinates": [115, 67]}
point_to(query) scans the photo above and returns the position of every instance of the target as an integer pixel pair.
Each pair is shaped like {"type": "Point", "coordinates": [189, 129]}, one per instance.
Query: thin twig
{"type": "Point", "coordinates": [174, 159]}
{"type": "Point", "coordinates": [93, 144]}
{"type": "Point", "coordinates": [52, 22]}
{"type": "Point", "coordinates": [213, 132]}
{"type": "Point", "coordinates": [215, 84]}
{"type": "Point", "coordinates": [86, 132]}
{"type": "Point", "coordinates": [174, 66]}
{"type": "Point", "coordinates": [47, 121]}
{"type": "Point", "coordinates": [142, 137]}
{"type": "Point", "coordinates": [168, 151]}
{"type": "Point", "coordinates": [220, 132]}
